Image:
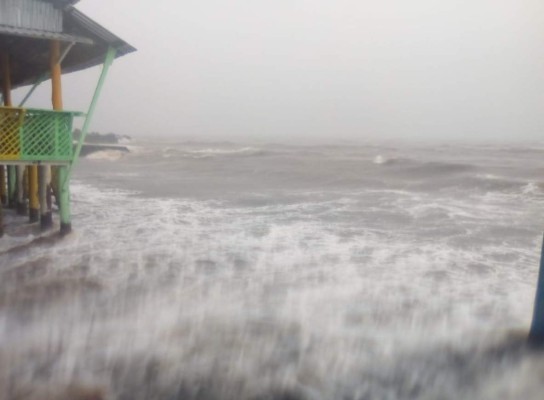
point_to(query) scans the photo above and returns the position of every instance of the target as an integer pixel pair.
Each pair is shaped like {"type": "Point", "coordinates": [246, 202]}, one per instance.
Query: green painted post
{"type": "Point", "coordinates": [110, 56]}
{"type": "Point", "coordinates": [537, 327]}
{"type": "Point", "coordinates": [64, 201]}
{"type": "Point", "coordinates": [64, 172]}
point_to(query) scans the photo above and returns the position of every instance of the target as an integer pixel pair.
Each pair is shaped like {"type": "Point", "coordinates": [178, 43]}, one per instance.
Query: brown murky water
{"type": "Point", "coordinates": [225, 271]}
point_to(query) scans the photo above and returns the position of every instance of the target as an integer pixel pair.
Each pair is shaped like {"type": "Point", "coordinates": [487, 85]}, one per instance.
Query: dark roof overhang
{"type": "Point", "coordinates": [62, 3]}
{"type": "Point", "coordinates": [29, 49]}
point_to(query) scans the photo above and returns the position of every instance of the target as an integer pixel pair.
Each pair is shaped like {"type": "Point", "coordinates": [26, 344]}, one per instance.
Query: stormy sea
{"type": "Point", "coordinates": [240, 271]}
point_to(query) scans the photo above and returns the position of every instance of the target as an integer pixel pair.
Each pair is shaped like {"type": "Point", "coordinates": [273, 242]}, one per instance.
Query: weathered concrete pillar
{"type": "Point", "coordinates": [3, 197]}
{"type": "Point", "coordinates": [64, 201]}
{"type": "Point", "coordinates": [12, 186]}
{"type": "Point", "coordinates": [3, 185]}
{"type": "Point", "coordinates": [46, 216]}
{"type": "Point", "coordinates": [21, 201]}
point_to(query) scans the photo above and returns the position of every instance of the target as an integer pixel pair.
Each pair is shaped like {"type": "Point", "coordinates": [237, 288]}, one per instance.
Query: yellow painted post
{"type": "Point", "coordinates": [56, 84]}
{"type": "Point", "coordinates": [6, 95]}
{"type": "Point", "coordinates": [44, 175]}
{"type": "Point", "coordinates": [34, 202]}
{"type": "Point", "coordinates": [22, 208]}
{"type": "Point", "coordinates": [59, 174]}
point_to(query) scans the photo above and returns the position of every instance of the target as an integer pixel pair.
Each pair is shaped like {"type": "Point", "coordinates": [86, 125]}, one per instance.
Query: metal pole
{"type": "Point", "coordinates": [537, 327]}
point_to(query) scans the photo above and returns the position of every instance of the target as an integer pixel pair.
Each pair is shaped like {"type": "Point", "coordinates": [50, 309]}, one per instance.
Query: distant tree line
{"type": "Point", "coordinates": [100, 138]}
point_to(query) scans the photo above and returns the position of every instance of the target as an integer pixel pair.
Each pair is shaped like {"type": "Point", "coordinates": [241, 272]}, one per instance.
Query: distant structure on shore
{"type": "Point", "coordinates": [99, 142]}
{"type": "Point", "coordinates": [41, 40]}
{"type": "Point", "coordinates": [101, 138]}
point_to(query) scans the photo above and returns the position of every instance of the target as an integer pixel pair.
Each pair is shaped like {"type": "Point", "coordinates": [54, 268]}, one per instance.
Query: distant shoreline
{"type": "Point", "coordinates": [95, 142]}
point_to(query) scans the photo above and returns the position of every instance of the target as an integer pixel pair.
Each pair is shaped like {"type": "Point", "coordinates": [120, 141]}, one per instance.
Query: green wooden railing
{"type": "Point", "coordinates": [34, 135]}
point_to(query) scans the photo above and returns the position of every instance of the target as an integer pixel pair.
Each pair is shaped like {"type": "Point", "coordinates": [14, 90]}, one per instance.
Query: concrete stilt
{"type": "Point", "coordinates": [12, 186]}
{"type": "Point", "coordinates": [46, 216]}
{"type": "Point", "coordinates": [33, 196]}
{"type": "Point", "coordinates": [3, 185]}
{"type": "Point", "coordinates": [21, 202]}
{"type": "Point", "coordinates": [64, 200]}
{"type": "Point", "coordinates": [56, 100]}
{"type": "Point", "coordinates": [3, 197]}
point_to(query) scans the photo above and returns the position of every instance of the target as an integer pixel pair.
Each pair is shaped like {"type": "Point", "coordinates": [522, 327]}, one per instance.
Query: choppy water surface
{"type": "Point", "coordinates": [228, 271]}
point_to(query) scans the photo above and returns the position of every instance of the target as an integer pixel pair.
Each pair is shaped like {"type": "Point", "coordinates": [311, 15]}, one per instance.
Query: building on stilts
{"type": "Point", "coordinates": [41, 40]}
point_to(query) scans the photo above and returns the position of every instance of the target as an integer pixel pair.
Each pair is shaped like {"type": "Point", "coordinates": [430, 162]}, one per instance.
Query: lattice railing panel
{"type": "Point", "coordinates": [11, 120]}
{"type": "Point", "coordinates": [38, 135]}
{"type": "Point", "coordinates": [47, 135]}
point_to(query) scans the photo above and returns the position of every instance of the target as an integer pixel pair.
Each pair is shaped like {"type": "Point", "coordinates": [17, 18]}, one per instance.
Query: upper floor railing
{"type": "Point", "coordinates": [34, 135]}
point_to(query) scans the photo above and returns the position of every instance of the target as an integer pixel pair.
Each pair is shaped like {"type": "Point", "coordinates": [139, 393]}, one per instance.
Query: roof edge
{"type": "Point", "coordinates": [101, 33]}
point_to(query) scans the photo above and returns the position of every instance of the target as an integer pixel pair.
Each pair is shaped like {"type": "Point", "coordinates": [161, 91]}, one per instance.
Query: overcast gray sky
{"type": "Point", "coordinates": [229, 69]}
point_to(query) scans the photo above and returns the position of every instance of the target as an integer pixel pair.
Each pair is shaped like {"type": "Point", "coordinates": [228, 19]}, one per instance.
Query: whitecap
{"type": "Point", "coordinates": [108, 155]}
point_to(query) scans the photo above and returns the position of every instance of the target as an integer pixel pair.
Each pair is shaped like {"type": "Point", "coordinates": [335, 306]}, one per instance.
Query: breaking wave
{"type": "Point", "coordinates": [106, 155]}
{"type": "Point", "coordinates": [213, 152]}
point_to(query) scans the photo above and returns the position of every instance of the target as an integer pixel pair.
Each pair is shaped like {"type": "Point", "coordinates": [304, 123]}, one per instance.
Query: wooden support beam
{"type": "Point", "coordinates": [56, 71]}
{"type": "Point", "coordinates": [33, 196]}
{"type": "Point", "coordinates": [60, 182]}
{"type": "Point", "coordinates": [6, 79]}
{"type": "Point", "coordinates": [6, 97]}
